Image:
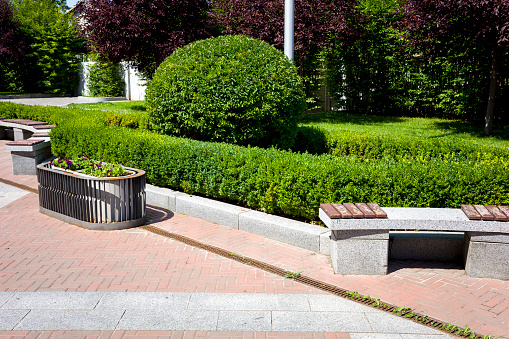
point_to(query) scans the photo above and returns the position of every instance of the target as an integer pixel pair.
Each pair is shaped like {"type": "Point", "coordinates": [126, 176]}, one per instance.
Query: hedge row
{"type": "Point", "coordinates": [372, 146]}
{"type": "Point", "coordinates": [270, 180]}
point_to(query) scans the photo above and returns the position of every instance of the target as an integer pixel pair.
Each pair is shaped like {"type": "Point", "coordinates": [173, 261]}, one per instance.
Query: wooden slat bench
{"type": "Point", "coordinates": [360, 246]}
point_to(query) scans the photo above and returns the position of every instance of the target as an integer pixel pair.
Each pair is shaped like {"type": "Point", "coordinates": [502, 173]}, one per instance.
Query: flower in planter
{"type": "Point", "coordinates": [90, 166]}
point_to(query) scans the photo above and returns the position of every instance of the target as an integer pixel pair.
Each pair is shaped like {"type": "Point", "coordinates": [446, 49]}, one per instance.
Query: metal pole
{"type": "Point", "coordinates": [289, 28]}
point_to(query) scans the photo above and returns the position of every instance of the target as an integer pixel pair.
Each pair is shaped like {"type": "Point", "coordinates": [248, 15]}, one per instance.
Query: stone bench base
{"type": "Point", "coordinates": [27, 154]}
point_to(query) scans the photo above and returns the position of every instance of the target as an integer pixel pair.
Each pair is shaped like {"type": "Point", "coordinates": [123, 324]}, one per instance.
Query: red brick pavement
{"type": "Point", "coordinates": [45, 254]}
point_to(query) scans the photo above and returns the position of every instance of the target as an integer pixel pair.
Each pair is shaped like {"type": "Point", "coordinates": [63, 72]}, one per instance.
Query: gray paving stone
{"type": "Point", "coordinates": [54, 300]}
{"type": "Point", "coordinates": [5, 296]}
{"type": "Point", "coordinates": [10, 318]}
{"type": "Point", "coordinates": [244, 321]}
{"type": "Point", "coordinates": [293, 302]}
{"type": "Point", "coordinates": [320, 321]}
{"type": "Point", "coordinates": [210, 210]}
{"type": "Point", "coordinates": [233, 301]}
{"type": "Point", "coordinates": [170, 320]}
{"type": "Point", "coordinates": [388, 323]}
{"type": "Point", "coordinates": [331, 303]}
{"type": "Point", "coordinates": [289, 231]}
{"type": "Point", "coordinates": [59, 320]}
{"type": "Point", "coordinates": [10, 194]}
{"type": "Point", "coordinates": [144, 300]}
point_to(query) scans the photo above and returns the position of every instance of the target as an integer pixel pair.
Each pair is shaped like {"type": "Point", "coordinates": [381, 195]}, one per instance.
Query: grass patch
{"type": "Point", "coordinates": [112, 106]}
{"type": "Point", "coordinates": [334, 124]}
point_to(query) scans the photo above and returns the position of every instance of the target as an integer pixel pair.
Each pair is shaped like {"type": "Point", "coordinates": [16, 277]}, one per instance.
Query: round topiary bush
{"type": "Point", "coordinates": [231, 88]}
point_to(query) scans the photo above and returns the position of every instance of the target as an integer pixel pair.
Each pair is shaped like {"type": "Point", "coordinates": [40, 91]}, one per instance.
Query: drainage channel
{"type": "Point", "coordinates": [350, 295]}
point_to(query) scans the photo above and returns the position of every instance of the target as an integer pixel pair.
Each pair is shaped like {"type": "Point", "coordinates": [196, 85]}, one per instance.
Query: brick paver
{"type": "Point", "coordinates": [39, 253]}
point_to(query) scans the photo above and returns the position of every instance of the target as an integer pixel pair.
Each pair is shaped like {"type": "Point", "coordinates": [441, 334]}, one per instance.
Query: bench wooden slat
{"type": "Point", "coordinates": [44, 126]}
{"type": "Point", "coordinates": [497, 214]}
{"type": "Point", "coordinates": [505, 210]}
{"type": "Point", "coordinates": [25, 122]}
{"type": "Point", "coordinates": [366, 211]}
{"type": "Point", "coordinates": [379, 212]}
{"type": "Point", "coordinates": [330, 211]}
{"type": "Point", "coordinates": [24, 142]}
{"type": "Point", "coordinates": [485, 214]}
{"type": "Point", "coordinates": [470, 212]}
{"type": "Point", "coordinates": [345, 214]}
{"type": "Point", "coordinates": [357, 214]}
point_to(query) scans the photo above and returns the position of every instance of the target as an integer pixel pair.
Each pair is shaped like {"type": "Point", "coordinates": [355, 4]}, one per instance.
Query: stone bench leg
{"type": "Point", "coordinates": [21, 134]}
{"type": "Point", "coordinates": [486, 255]}
{"type": "Point", "coordinates": [25, 158]}
{"type": "Point", "coordinates": [2, 133]}
{"type": "Point", "coordinates": [360, 252]}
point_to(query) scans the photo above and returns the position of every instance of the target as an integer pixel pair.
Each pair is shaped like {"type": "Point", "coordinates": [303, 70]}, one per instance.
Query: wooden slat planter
{"type": "Point", "coordinates": [94, 203]}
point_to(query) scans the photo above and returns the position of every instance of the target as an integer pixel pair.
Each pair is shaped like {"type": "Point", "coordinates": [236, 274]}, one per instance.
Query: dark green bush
{"type": "Point", "coordinates": [271, 180]}
{"type": "Point", "coordinates": [232, 88]}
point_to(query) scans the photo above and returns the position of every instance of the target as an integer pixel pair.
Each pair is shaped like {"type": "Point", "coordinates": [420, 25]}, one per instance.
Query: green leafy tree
{"type": "Point", "coordinates": [53, 45]}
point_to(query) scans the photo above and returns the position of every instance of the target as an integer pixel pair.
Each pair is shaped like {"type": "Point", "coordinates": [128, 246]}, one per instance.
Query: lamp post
{"type": "Point", "coordinates": [289, 28]}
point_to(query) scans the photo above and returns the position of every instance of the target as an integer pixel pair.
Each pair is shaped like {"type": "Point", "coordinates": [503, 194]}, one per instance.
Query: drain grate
{"type": "Point", "coordinates": [354, 296]}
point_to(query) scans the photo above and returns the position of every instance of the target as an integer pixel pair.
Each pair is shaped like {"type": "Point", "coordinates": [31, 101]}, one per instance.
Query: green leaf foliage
{"type": "Point", "coordinates": [104, 80]}
{"type": "Point", "coordinates": [50, 64]}
{"type": "Point", "coordinates": [233, 89]}
{"type": "Point", "coordinates": [271, 180]}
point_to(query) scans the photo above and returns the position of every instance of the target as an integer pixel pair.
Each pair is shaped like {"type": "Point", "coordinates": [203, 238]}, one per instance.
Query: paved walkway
{"type": "Point", "coordinates": [59, 280]}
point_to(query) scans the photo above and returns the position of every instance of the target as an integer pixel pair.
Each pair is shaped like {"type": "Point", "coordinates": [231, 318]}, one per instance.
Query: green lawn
{"type": "Point", "coordinates": [120, 107]}
{"type": "Point", "coordinates": [334, 123]}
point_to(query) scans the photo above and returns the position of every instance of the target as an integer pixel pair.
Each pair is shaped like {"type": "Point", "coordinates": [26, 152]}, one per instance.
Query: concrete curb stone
{"type": "Point", "coordinates": [296, 233]}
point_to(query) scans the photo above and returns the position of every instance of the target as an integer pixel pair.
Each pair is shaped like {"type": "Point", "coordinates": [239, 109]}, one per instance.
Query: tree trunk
{"type": "Point", "coordinates": [488, 125]}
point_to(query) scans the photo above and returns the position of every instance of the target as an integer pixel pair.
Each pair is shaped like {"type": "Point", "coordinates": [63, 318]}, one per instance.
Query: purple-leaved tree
{"type": "Point", "coordinates": [12, 44]}
{"type": "Point", "coordinates": [143, 31]}
{"type": "Point", "coordinates": [435, 21]}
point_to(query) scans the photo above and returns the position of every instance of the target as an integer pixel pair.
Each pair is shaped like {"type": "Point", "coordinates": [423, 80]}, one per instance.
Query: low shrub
{"type": "Point", "coordinates": [233, 89]}
{"type": "Point", "coordinates": [272, 180]}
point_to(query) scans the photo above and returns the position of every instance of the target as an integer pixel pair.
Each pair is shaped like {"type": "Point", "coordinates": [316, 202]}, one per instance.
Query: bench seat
{"type": "Point", "coordinates": [360, 246]}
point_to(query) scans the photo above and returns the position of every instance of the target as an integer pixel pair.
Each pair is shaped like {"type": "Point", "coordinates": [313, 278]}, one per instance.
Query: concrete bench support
{"type": "Point", "coordinates": [487, 255]}
{"type": "Point", "coordinates": [360, 252]}
{"type": "Point", "coordinates": [27, 154]}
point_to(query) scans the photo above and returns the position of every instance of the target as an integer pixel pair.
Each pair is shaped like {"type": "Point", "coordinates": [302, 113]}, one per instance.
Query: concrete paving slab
{"type": "Point", "coordinates": [398, 336]}
{"type": "Point", "coordinates": [233, 301]}
{"type": "Point", "coordinates": [170, 320]}
{"type": "Point", "coordinates": [53, 301]}
{"type": "Point", "coordinates": [9, 194]}
{"type": "Point", "coordinates": [10, 318]}
{"type": "Point", "coordinates": [293, 302]}
{"type": "Point", "coordinates": [244, 321]}
{"type": "Point", "coordinates": [388, 323]}
{"type": "Point", "coordinates": [331, 303]}
{"type": "Point", "coordinates": [320, 321]}
{"type": "Point", "coordinates": [59, 320]}
{"type": "Point", "coordinates": [5, 296]}
{"type": "Point", "coordinates": [144, 300]}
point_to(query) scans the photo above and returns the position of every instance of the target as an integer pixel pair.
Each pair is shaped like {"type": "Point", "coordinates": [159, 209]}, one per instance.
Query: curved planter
{"type": "Point", "coordinates": [94, 203]}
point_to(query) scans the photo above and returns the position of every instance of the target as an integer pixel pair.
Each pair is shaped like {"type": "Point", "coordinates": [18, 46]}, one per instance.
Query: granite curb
{"type": "Point", "coordinates": [292, 232]}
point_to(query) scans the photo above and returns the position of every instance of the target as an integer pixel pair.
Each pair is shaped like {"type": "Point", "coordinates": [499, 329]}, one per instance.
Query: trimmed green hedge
{"type": "Point", "coordinates": [279, 182]}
